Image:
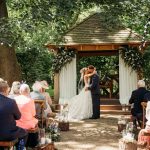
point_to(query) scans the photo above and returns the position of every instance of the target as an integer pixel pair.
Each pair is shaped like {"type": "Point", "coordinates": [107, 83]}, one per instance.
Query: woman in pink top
{"type": "Point", "coordinates": [27, 108]}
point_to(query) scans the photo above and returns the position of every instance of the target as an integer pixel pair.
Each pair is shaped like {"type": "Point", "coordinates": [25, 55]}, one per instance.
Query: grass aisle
{"type": "Point", "coordinates": [100, 134]}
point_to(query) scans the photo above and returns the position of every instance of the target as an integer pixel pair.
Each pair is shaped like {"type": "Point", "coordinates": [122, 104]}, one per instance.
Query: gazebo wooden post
{"type": "Point", "coordinates": [56, 87]}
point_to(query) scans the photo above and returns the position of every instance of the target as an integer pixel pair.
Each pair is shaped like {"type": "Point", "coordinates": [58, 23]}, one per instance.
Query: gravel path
{"type": "Point", "coordinates": [100, 134]}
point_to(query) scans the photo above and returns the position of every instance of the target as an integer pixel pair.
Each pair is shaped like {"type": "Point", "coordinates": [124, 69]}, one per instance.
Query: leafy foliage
{"type": "Point", "coordinates": [146, 67]}
{"type": "Point", "coordinates": [32, 24]}
{"type": "Point", "coordinates": [35, 65]}
{"type": "Point", "coordinates": [63, 57]}
{"type": "Point", "coordinates": [28, 17]}
{"type": "Point", "coordinates": [104, 65]}
{"type": "Point", "coordinates": [132, 57]}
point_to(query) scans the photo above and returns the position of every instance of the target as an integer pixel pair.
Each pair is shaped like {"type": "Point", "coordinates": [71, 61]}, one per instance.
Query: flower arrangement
{"type": "Point", "coordinates": [127, 133]}
{"type": "Point", "coordinates": [132, 57]}
{"type": "Point", "coordinates": [63, 57]}
{"type": "Point", "coordinates": [54, 131]}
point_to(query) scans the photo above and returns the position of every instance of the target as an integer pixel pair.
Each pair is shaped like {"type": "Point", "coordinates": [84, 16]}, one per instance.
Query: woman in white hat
{"type": "Point", "coordinates": [48, 99]}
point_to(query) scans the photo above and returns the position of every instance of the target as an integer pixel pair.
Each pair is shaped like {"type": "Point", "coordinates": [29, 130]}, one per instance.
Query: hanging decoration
{"type": "Point", "coordinates": [132, 57]}
{"type": "Point", "coordinates": [143, 43]}
{"type": "Point", "coordinates": [62, 57]}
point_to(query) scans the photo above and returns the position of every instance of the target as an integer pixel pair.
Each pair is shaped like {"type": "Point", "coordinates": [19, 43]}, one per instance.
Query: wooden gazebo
{"type": "Point", "coordinates": [92, 38]}
{"type": "Point", "coordinates": [91, 35]}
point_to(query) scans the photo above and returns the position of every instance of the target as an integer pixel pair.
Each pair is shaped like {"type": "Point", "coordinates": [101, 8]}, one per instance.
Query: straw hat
{"type": "Point", "coordinates": [44, 84]}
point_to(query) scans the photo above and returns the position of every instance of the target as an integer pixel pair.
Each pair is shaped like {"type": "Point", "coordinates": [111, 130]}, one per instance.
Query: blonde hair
{"type": "Point", "coordinates": [15, 87]}
{"type": "Point", "coordinates": [82, 71]}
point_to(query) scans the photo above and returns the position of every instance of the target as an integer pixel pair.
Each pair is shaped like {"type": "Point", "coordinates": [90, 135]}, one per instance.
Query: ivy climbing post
{"type": "Point", "coordinates": [61, 58]}
{"type": "Point", "coordinates": [134, 59]}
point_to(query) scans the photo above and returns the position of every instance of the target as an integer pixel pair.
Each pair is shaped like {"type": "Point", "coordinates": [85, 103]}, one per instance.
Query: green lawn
{"type": "Point", "coordinates": [50, 91]}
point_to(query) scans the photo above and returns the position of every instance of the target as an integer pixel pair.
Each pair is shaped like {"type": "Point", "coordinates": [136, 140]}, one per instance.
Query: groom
{"type": "Point", "coordinates": [95, 91]}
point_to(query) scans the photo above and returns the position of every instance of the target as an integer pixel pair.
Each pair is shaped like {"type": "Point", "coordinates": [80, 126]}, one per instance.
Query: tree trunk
{"type": "Point", "coordinates": [3, 9]}
{"type": "Point", "coordinates": [9, 68]}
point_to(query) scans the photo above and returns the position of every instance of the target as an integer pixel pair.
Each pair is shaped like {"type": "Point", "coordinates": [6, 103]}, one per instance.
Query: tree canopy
{"type": "Point", "coordinates": [32, 24]}
{"type": "Point", "coordinates": [49, 20]}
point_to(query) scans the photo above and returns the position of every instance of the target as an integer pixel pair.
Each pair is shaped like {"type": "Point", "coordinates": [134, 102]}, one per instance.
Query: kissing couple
{"type": "Point", "coordinates": [86, 105]}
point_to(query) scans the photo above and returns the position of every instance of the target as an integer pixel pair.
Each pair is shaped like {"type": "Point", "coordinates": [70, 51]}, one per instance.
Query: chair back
{"type": "Point", "coordinates": [144, 105]}
{"type": "Point", "coordinates": [40, 105]}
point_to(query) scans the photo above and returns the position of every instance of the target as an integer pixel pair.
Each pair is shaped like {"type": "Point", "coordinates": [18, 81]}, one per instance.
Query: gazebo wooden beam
{"type": "Point", "coordinates": [97, 53]}
{"type": "Point", "coordinates": [94, 47]}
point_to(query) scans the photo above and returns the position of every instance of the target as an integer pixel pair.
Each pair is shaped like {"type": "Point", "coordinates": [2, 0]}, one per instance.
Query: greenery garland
{"type": "Point", "coordinates": [132, 57]}
{"type": "Point", "coordinates": [63, 57]}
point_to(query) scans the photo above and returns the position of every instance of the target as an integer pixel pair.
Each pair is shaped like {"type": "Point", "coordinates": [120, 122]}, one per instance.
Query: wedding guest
{"type": "Point", "coordinates": [141, 137]}
{"type": "Point", "coordinates": [45, 87]}
{"type": "Point", "coordinates": [37, 90]}
{"type": "Point", "coordinates": [27, 108]}
{"type": "Point", "coordinates": [36, 94]}
{"type": "Point", "coordinates": [136, 98]}
{"type": "Point", "coordinates": [48, 110]}
{"type": "Point", "coordinates": [9, 113]}
{"type": "Point", "coordinates": [14, 89]}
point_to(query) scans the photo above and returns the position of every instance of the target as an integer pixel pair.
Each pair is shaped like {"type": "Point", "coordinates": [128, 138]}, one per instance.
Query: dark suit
{"type": "Point", "coordinates": [137, 97]}
{"type": "Point", "coordinates": [9, 113]}
{"type": "Point", "coordinates": [95, 91]}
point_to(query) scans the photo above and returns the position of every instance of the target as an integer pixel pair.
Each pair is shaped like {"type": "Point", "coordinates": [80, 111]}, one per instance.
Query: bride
{"type": "Point", "coordinates": [80, 106]}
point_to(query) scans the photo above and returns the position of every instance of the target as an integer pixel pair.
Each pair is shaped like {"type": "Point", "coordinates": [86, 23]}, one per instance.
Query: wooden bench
{"type": "Point", "coordinates": [8, 144]}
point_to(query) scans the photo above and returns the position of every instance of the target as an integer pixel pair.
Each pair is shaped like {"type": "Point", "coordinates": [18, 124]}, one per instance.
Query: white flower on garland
{"type": "Point", "coordinates": [63, 57]}
{"type": "Point", "coordinates": [132, 57]}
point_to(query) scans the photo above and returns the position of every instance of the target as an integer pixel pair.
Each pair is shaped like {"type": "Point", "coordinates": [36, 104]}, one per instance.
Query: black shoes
{"type": "Point", "coordinates": [94, 118]}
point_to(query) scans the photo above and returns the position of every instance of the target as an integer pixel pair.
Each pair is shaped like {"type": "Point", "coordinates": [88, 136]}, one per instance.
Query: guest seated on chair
{"type": "Point", "coordinates": [27, 108]}
{"type": "Point", "coordinates": [141, 137]}
{"type": "Point", "coordinates": [36, 95]}
{"type": "Point", "coordinates": [48, 110]}
{"type": "Point", "coordinates": [9, 113]}
{"type": "Point", "coordinates": [136, 98]}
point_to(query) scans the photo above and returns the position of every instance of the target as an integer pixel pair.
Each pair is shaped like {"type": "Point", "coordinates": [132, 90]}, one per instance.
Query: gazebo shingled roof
{"type": "Point", "coordinates": [91, 34]}
{"type": "Point", "coordinates": [92, 31]}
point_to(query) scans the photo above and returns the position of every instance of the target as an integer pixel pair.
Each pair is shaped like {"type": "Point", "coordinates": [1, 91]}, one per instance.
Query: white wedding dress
{"type": "Point", "coordinates": [80, 106]}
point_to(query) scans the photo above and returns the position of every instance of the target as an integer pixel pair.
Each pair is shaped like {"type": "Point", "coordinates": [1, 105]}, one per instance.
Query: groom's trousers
{"type": "Point", "coordinates": [96, 105]}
